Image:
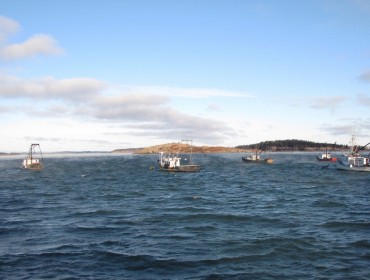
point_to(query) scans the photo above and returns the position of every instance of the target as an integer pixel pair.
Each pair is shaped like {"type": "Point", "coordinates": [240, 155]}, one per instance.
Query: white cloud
{"type": "Point", "coordinates": [86, 98]}
{"type": "Point", "coordinates": [363, 100]}
{"type": "Point", "coordinates": [151, 116]}
{"type": "Point", "coordinates": [7, 27]}
{"type": "Point", "coordinates": [41, 44]}
{"type": "Point", "coordinates": [346, 127]}
{"type": "Point", "coordinates": [365, 77]}
{"type": "Point", "coordinates": [185, 92]}
{"type": "Point", "coordinates": [138, 107]}
{"type": "Point", "coordinates": [76, 89]}
{"type": "Point", "coordinates": [213, 108]}
{"type": "Point", "coordinates": [331, 102]}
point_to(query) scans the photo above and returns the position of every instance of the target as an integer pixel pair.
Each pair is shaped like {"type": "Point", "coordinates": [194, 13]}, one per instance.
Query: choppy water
{"type": "Point", "coordinates": [112, 217]}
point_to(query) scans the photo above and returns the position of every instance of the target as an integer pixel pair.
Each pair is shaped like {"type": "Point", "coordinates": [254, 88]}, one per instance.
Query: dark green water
{"type": "Point", "coordinates": [112, 217]}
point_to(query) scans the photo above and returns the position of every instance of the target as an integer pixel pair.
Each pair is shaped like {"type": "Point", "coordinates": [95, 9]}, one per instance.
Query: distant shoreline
{"type": "Point", "coordinates": [185, 148]}
{"type": "Point", "coordinates": [129, 151]}
{"type": "Point", "coordinates": [9, 154]}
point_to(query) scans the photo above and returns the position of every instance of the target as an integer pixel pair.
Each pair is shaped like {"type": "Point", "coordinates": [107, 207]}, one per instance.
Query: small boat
{"type": "Point", "coordinates": [353, 160]}
{"type": "Point", "coordinates": [34, 158]}
{"type": "Point", "coordinates": [255, 158]}
{"type": "Point", "coordinates": [327, 156]}
{"type": "Point", "coordinates": [172, 162]}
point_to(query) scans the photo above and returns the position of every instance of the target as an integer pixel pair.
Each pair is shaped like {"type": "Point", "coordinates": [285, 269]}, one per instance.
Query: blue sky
{"type": "Point", "coordinates": [102, 75]}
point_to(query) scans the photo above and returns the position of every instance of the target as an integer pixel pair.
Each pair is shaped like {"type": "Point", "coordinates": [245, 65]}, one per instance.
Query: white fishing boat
{"type": "Point", "coordinates": [255, 158]}
{"type": "Point", "coordinates": [34, 158]}
{"type": "Point", "coordinates": [353, 160]}
{"type": "Point", "coordinates": [172, 162]}
{"type": "Point", "coordinates": [251, 157]}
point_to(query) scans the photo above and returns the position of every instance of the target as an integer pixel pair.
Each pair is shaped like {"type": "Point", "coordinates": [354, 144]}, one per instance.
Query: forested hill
{"type": "Point", "coordinates": [293, 145]}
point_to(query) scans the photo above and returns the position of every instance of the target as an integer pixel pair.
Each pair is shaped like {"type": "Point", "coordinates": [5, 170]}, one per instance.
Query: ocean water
{"type": "Point", "coordinates": [115, 217]}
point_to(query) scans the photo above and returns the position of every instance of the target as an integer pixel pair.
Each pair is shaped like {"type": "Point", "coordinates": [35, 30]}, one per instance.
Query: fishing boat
{"type": "Point", "coordinates": [353, 160]}
{"type": "Point", "coordinates": [327, 156]}
{"type": "Point", "coordinates": [172, 162]}
{"type": "Point", "coordinates": [34, 158]}
{"type": "Point", "coordinates": [255, 157]}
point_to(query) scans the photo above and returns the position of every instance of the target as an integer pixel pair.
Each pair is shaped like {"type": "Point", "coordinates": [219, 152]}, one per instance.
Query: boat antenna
{"type": "Point", "coordinates": [353, 144]}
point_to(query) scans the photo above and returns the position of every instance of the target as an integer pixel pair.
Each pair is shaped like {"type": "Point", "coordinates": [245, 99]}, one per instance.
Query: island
{"type": "Point", "coordinates": [270, 146]}
{"type": "Point", "coordinates": [184, 148]}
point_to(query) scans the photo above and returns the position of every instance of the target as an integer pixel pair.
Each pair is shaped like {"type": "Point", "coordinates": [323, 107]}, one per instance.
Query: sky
{"type": "Point", "coordinates": [102, 75]}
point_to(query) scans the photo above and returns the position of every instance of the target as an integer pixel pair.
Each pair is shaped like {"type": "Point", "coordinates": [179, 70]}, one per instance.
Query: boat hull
{"type": "Point", "coordinates": [34, 166]}
{"type": "Point", "coordinates": [327, 159]}
{"type": "Point", "coordinates": [352, 167]}
{"type": "Point", "coordinates": [357, 169]}
{"type": "Point", "coordinates": [183, 168]}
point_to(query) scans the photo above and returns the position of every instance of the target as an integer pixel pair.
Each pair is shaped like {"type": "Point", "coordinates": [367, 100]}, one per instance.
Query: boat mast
{"type": "Point", "coordinates": [353, 144]}
{"type": "Point", "coordinates": [191, 147]}
{"type": "Point", "coordinates": [30, 153]}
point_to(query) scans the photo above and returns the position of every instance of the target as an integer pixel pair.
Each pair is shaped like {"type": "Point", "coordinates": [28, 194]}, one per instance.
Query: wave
{"type": "Point", "coordinates": [328, 204]}
{"type": "Point", "coordinates": [347, 225]}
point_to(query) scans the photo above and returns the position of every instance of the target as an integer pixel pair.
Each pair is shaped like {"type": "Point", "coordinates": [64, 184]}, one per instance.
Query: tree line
{"type": "Point", "coordinates": [293, 145]}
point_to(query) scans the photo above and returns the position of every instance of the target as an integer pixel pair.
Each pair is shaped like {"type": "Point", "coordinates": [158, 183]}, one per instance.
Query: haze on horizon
{"type": "Point", "coordinates": [98, 75]}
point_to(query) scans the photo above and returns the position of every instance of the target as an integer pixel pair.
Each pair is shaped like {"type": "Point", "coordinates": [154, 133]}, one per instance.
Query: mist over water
{"type": "Point", "coordinates": [114, 217]}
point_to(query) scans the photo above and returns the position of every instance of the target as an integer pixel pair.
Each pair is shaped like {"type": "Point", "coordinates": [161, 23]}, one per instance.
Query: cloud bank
{"type": "Point", "coordinates": [139, 112]}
